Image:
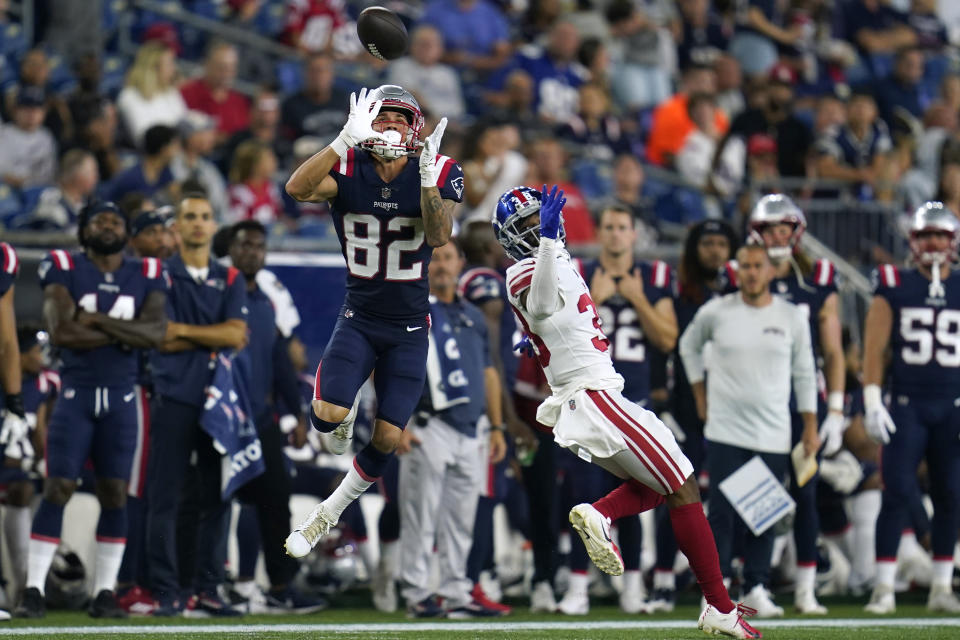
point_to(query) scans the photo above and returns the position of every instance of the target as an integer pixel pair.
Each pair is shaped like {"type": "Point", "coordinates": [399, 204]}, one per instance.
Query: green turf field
{"type": "Point", "coordinates": [846, 622]}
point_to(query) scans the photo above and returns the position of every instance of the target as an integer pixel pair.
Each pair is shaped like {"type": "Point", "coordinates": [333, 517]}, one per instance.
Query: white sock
{"type": "Point", "coordinates": [909, 544]}
{"type": "Point", "coordinates": [578, 583]}
{"type": "Point", "coordinates": [109, 557]}
{"type": "Point", "coordinates": [389, 552]}
{"type": "Point", "coordinates": [351, 487]}
{"type": "Point", "coordinates": [942, 574]}
{"type": "Point", "coordinates": [16, 529]}
{"type": "Point", "coordinates": [39, 558]}
{"type": "Point", "coordinates": [664, 580]}
{"type": "Point", "coordinates": [632, 582]}
{"type": "Point", "coordinates": [806, 578]}
{"type": "Point", "coordinates": [864, 509]}
{"type": "Point", "coordinates": [886, 573]}
{"type": "Point", "coordinates": [366, 554]}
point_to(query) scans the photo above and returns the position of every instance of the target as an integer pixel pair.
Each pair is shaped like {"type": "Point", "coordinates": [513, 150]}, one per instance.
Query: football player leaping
{"type": "Point", "coordinates": [916, 312]}
{"type": "Point", "coordinates": [589, 415]}
{"type": "Point", "coordinates": [388, 213]}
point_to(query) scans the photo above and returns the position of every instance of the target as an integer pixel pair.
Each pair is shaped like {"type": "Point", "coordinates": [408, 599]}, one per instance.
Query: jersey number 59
{"type": "Point", "coordinates": [366, 256]}
{"type": "Point", "coordinates": [922, 328]}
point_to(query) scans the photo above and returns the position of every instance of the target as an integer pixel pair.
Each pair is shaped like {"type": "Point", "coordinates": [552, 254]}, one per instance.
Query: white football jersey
{"type": "Point", "coordinates": [569, 343]}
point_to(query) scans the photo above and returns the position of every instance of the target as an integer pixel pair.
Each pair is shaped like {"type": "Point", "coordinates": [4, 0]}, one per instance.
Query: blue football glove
{"type": "Point", "coordinates": [551, 205]}
{"type": "Point", "coordinates": [525, 347]}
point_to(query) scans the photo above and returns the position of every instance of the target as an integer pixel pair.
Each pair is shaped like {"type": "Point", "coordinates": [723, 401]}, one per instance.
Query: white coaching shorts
{"type": "Point", "coordinates": [604, 423]}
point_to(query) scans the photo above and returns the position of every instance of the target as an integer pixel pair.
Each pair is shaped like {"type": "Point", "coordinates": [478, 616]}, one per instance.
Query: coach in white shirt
{"type": "Point", "coordinates": [760, 343]}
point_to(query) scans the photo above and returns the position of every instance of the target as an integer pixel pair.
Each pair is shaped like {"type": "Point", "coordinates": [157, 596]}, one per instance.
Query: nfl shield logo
{"type": "Point", "coordinates": [572, 404]}
{"type": "Point", "coordinates": [385, 193]}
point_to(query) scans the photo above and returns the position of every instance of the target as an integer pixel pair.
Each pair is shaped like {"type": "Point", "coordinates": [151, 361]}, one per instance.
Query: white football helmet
{"type": "Point", "coordinates": [396, 98]}
{"type": "Point", "coordinates": [776, 209]}
{"type": "Point", "coordinates": [934, 217]}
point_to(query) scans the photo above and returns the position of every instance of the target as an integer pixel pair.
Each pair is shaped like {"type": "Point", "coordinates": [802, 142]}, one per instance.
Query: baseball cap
{"type": "Point", "coordinates": [783, 74]}
{"type": "Point", "coordinates": [761, 143]}
{"type": "Point", "coordinates": [31, 97]}
{"type": "Point", "coordinates": [164, 33]}
{"type": "Point", "coordinates": [147, 219]}
{"type": "Point", "coordinates": [195, 121]}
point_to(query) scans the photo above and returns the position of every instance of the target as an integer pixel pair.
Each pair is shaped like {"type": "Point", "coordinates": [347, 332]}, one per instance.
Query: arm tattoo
{"type": "Point", "coordinates": [437, 221]}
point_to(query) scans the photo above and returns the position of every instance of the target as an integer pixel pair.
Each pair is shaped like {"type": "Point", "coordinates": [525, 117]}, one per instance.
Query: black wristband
{"type": "Point", "coordinates": [15, 404]}
{"type": "Point", "coordinates": [498, 427]}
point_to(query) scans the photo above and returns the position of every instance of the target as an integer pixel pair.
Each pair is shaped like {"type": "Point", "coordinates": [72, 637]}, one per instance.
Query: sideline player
{"type": "Point", "coordinates": [587, 411]}
{"type": "Point", "coordinates": [916, 313]}
{"type": "Point", "coordinates": [777, 224]}
{"type": "Point", "coordinates": [389, 214]}
{"type": "Point", "coordinates": [99, 307]}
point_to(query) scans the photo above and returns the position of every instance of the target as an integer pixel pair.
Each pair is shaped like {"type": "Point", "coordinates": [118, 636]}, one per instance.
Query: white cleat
{"type": "Point", "coordinates": [759, 600]}
{"type": "Point", "coordinates": [338, 440]}
{"type": "Point", "coordinates": [882, 601]}
{"type": "Point", "coordinates": [308, 533]}
{"type": "Point", "coordinates": [574, 604]}
{"type": "Point", "coordinates": [727, 624]}
{"type": "Point", "coordinates": [942, 599]}
{"type": "Point", "coordinates": [385, 593]}
{"type": "Point", "coordinates": [631, 601]}
{"type": "Point", "coordinates": [805, 602]}
{"type": "Point", "coordinates": [542, 599]}
{"type": "Point", "coordinates": [594, 530]}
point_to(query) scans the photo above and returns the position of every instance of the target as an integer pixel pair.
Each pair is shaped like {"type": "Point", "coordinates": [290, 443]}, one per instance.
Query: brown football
{"type": "Point", "coordinates": [382, 33]}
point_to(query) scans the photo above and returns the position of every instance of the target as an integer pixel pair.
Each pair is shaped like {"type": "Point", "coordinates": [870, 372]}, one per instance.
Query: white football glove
{"type": "Point", "coordinates": [429, 169]}
{"type": "Point", "coordinates": [876, 419]}
{"type": "Point", "coordinates": [843, 472]}
{"type": "Point", "coordinates": [14, 428]}
{"type": "Point", "coordinates": [359, 125]}
{"type": "Point", "coordinates": [831, 432]}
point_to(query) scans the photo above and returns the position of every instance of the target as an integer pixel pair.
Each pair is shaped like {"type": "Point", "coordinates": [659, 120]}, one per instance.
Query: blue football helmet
{"type": "Point", "coordinates": [515, 206]}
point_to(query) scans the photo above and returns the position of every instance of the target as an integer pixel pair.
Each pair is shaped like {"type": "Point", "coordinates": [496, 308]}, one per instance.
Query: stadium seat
{"type": "Point", "coordinates": [12, 41]}
{"type": "Point", "coordinates": [62, 79]}
{"type": "Point", "coordinates": [114, 74]}
{"type": "Point", "coordinates": [271, 18]}
{"type": "Point", "coordinates": [289, 76]}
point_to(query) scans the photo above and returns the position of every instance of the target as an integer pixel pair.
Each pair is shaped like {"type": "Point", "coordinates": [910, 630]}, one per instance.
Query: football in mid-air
{"type": "Point", "coordinates": [382, 33]}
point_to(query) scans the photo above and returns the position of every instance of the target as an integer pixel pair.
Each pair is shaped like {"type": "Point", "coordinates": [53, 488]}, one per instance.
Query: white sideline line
{"type": "Point", "coordinates": [402, 627]}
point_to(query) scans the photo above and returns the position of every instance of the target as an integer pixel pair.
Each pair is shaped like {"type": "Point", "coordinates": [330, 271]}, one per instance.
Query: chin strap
{"type": "Point", "coordinates": [936, 290]}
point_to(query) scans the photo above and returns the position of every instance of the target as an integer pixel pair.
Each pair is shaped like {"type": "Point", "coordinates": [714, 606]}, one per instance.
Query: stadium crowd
{"type": "Point", "coordinates": [661, 121]}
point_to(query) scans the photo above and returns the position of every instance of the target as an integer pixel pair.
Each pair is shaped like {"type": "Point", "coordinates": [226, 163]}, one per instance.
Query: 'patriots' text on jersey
{"type": "Point", "coordinates": [380, 227]}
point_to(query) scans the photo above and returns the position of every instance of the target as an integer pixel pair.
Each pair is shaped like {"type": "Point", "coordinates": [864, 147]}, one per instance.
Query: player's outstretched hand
{"type": "Point", "coordinates": [831, 433]}
{"type": "Point", "coordinates": [551, 205]}
{"type": "Point", "coordinates": [876, 418]}
{"type": "Point", "coordinates": [359, 127]}
{"type": "Point", "coordinates": [429, 169]}
{"type": "Point", "coordinates": [525, 346]}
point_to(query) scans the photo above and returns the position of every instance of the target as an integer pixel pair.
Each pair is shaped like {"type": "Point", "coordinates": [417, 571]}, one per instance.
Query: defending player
{"type": "Point", "coordinates": [916, 313]}
{"type": "Point", "coordinates": [99, 307]}
{"type": "Point", "coordinates": [389, 213]}
{"type": "Point", "coordinates": [777, 224]}
{"type": "Point", "coordinates": [587, 411]}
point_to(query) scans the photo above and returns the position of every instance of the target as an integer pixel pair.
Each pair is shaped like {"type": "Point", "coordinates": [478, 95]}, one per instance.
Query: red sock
{"type": "Point", "coordinates": [695, 540]}
{"type": "Point", "coordinates": [628, 499]}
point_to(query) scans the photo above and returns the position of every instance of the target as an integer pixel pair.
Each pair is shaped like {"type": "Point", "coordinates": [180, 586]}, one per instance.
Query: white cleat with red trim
{"type": "Point", "coordinates": [594, 530]}
{"type": "Point", "coordinates": [728, 624]}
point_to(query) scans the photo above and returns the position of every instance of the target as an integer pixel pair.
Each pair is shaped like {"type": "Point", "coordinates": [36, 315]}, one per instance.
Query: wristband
{"type": "Point", "coordinates": [871, 396]}
{"type": "Point", "coordinates": [340, 145]}
{"type": "Point", "coordinates": [15, 404]}
{"type": "Point", "coordinates": [835, 401]}
{"type": "Point", "coordinates": [501, 428]}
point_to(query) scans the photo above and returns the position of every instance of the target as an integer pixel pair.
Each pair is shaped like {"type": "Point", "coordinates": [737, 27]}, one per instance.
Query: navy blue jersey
{"type": "Point", "coordinates": [255, 362]}
{"type": "Point", "coordinates": [119, 294]}
{"type": "Point", "coordinates": [925, 334]}
{"type": "Point", "coordinates": [628, 345]}
{"type": "Point", "coordinates": [11, 267]}
{"type": "Point", "coordinates": [220, 297]}
{"type": "Point", "coordinates": [479, 285]}
{"type": "Point", "coordinates": [809, 296]}
{"type": "Point", "coordinates": [380, 228]}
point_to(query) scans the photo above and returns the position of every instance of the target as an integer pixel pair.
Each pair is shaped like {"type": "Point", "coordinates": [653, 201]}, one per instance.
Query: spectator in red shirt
{"type": "Point", "coordinates": [311, 23]}
{"type": "Point", "coordinates": [213, 93]}
{"type": "Point", "coordinates": [253, 192]}
{"type": "Point", "coordinates": [548, 162]}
